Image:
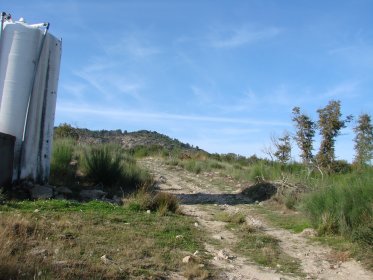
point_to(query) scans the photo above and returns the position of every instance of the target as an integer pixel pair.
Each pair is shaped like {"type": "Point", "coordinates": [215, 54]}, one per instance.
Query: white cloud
{"type": "Point", "coordinates": [344, 89]}
{"type": "Point", "coordinates": [109, 80]}
{"type": "Point", "coordinates": [239, 36]}
{"type": "Point", "coordinates": [133, 46]}
{"type": "Point", "coordinates": [145, 116]}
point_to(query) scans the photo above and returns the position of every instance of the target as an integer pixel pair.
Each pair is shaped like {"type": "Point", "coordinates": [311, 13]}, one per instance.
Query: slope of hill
{"type": "Point", "coordinates": [126, 139]}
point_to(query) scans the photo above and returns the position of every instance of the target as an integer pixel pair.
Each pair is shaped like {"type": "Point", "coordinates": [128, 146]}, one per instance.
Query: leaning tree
{"type": "Point", "coordinates": [330, 124]}
{"type": "Point", "coordinates": [363, 140]}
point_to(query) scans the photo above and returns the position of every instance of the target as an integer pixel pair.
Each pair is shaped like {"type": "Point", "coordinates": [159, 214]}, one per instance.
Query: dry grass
{"type": "Point", "coordinates": [68, 242]}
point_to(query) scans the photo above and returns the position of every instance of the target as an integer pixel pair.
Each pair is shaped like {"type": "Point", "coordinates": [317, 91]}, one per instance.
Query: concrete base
{"type": "Point", "coordinates": [6, 159]}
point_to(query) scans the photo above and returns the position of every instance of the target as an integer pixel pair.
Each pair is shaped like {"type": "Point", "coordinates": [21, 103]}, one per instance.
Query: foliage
{"type": "Point", "coordinates": [330, 125]}
{"type": "Point", "coordinates": [62, 171]}
{"type": "Point", "coordinates": [283, 148]}
{"type": "Point", "coordinates": [160, 202]}
{"type": "Point", "coordinates": [304, 134]}
{"type": "Point", "coordinates": [363, 140]}
{"type": "Point", "coordinates": [103, 164]}
{"type": "Point", "coordinates": [66, 131]}
{"type": "Point", "coordinates": [344, 206]}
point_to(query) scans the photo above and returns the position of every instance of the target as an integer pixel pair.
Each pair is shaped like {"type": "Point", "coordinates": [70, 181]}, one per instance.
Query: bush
{"type": "Point", "coordinates": [345, 207]}
{"type": "Point", "coordinates": [103, 164]}
{"type": "Point", "coordinates": [193, 166]}
{"type": "Point", "coordinates": [161, 202]}
{"type": "Point", "coordinates": [62, 171]}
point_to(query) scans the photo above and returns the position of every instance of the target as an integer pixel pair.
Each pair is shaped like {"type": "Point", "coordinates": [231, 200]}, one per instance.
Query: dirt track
{"type": "Point", "coordinates": [204, 194]}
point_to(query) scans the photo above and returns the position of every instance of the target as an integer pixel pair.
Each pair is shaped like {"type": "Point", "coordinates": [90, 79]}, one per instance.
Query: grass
{"type": "Point", "coordinates": [66, 240]}
{"type": "Point", "coordinates": [265, 250]}
{"type": "Point", "coordinates": [103, 164]}
{"type": "Point", "coordinates": [279, 216]}
{"type": "Point", "coordinates": [343, 207]}
{"type": "Point", "coordinates": [62, 172]}
{"type": "Point", "coordinates": [106, 164]}
{"type": "Point", "coordinates": [233, 219]}
{"type": "Point", "coordinates": [161, 202]}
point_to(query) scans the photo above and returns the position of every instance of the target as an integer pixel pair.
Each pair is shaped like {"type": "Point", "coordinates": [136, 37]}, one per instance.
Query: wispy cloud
{"type": "Point", "coordinates": [344, 89]}
{"type": "Point", "coordinates": [109, 81]}
{"type": "Point", "coordinates": [239, 36]}
{"type": "Point", "coordinates": [144, 116]}
{"type": "Point", "coordinates": [134, 46]}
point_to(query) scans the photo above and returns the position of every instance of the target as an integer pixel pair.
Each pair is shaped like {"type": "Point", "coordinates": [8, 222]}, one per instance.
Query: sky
{"type": "Point", "coordinates": [218, 74]}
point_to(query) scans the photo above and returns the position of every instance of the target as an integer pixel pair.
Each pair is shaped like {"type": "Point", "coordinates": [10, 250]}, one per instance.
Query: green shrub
{"type": "Point", "coordinates": [345, 207]}
{"type": "Point", "coordinates": [165, 202]}
{"type": "Point", "coordinates": [193, 166]}
{"type": "Point", "coordinates": [103, 164]}
{"type": "Point", "coordinates": [62, 171]}
{"type": "Point", "coordinates": [160, 202]}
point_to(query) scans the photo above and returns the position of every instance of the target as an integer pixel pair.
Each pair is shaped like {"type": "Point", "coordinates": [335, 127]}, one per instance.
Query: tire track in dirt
{"type": "Point", "coordinates": [198, 191]}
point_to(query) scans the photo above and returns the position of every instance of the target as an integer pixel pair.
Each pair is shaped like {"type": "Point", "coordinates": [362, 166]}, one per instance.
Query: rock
{"type": "Point", "coordinates": [60, 196]}
{"type": "Point", "coordinates": [41, 192]}
{"type": "Point", "coordinates": [218, 237]}
{"type": "Point", "coordinates": [63, 190]}
{"type": "Point", "coordinates": [92, 194]}
{"type": "Point", "coordinates": [40, 252]}
{"type": "Point", "coordinates": [162, 180]}
{"type": "Point", "coordinates": [222, 254]}
{"type": "Point", "coordinates": [308, 232]}
{"type": "Point", "coordinates": [187, 259]}
{"type": "Point", "coordinates": [106, 259]}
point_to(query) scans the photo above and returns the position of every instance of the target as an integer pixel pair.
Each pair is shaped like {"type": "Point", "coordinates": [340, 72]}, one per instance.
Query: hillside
{"type": "Point", "coordinates": [128, 140]}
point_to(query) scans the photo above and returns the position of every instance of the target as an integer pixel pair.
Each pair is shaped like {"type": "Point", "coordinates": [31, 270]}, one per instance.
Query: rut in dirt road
{"type": "Point", "coordinates": [203, 198]}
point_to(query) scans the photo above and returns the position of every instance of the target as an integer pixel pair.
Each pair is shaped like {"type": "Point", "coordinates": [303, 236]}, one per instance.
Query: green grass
{"type": "Point", "coordinates": [141, 245]}
{"type": "Point", "coordinates": [62, 172]}
{"type": "Point", "coordinates": [233, 219]}
{"type": "Point", "coordinates": [343, 207]}
{"type": "Point", "coordinates": [265, 251]}
{"type": "Point", "coordinates": [290, 220]}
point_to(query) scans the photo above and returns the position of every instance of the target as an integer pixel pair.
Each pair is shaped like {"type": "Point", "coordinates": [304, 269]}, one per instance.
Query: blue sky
{"type": "Point", "coordinates": [221, 75]}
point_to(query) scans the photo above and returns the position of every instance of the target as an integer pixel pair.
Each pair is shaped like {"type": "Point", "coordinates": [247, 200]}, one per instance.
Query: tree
{"type": "Point", "coordinates": [283, 148]}
{"type": "Point", "coordinates": [330, 125]}
{"type": "Point", "coordinates": [363, 140]}
{"type": "Point", "coordinates": [304, 134]}
{"type": "Point", "coordinates": [66, 131]}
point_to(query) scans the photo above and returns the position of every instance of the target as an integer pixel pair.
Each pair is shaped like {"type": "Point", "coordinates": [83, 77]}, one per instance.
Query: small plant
{"type": "Point", "coordinates": [165, 202]}
{"type": "Point", "coordinates": [231, 218]}
{"type": "Point", "coordinates": [103, 164]}
{"type": "Point", "coordinates": [160, 202]}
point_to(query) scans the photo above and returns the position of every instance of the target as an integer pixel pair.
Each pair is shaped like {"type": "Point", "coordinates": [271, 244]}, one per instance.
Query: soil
{"type": "Point", "coordinates": [204, 195]}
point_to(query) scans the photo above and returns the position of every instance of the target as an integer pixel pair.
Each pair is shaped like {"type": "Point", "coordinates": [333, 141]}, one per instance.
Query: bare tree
{"type": "Point", "coordinates": [363, 140]}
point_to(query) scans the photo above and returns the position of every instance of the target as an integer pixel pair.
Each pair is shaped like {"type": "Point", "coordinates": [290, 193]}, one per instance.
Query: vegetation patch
{"type": "Point", "coordinates": [95, 240]}
{"type": "Point", "coordinates": [265, 250]}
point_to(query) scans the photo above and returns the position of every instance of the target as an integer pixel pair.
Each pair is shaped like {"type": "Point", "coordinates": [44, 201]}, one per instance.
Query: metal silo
{"type": "Point", "coordinates": [29, 70]}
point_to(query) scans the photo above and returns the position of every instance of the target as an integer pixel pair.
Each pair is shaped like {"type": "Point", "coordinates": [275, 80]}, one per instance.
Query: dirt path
{"type": "Point", "coordinates": [203, 195]}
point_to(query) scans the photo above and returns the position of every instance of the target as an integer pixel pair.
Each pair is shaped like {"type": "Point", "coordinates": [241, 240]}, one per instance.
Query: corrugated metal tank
{"type": "Point", "coordinates": [29, 70]}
